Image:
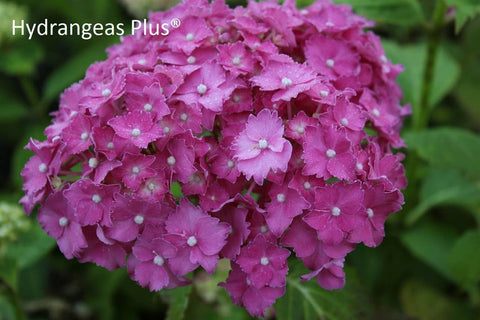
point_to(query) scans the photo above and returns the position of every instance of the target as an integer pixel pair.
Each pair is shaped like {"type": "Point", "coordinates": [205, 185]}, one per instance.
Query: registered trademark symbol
{"type": "Point", "coordinates": [175, 22]}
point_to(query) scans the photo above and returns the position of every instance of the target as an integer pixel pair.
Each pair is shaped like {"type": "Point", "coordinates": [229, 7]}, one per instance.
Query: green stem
{"type": "Point", "coordinates": [421, 113]}
{"type": "Point", "coordinates": [420, 120]}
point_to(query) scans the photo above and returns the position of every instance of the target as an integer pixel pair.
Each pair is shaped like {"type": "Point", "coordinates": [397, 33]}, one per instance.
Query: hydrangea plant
{"type": "Point", "coordinates": [253, 134]}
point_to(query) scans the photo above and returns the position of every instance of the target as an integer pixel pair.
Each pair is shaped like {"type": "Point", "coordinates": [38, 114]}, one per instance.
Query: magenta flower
{"type": "Point", "coordinates": [336, 211]}
{"type": "Point", "coordinates": [264, 263]}
{"type": "Point", "coordinates": [260, 147]}
{"type": "Point", "coordinates": [137, 127]}
{"type": "Point", "coordinates": [240, 133]}
{"type": "Point", "coordinates": [57, 218]}
{"type": "Point", "coordinates": [197, 236]}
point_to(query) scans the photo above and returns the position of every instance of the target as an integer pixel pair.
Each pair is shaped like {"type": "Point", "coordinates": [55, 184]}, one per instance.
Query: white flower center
{"type": "Point", "coordinates": [136, 132]}
{"type": "Point", "coordinates": [171, 161]}
{"type": "Point", "coordinates": [281, 197]}
{"type": "Point", "coordinates": [184, 116]}
{"type": "Point", "coordinates": [359, 166]}
{"type": "Point", "coordinates": [166, 129]}
{"type": "Point", "coordinates": [92, 162]}
{"type": "Point", "coordinates": [263, 229]}
{"type": "Point", "coordinates": [344, 122]}
{"type": "Point", "coordinates": [329, 24]}
{"type": "Point", "coordinates": [138, 219]}
{"type": "Point", "coordinates": [142, 61]}
{"type": "Point", "coordinates": [189, 37]}
{"type": "Point", "coordinates": [300, 129]}
{"type": "Point", "coordinates": [201, 88]}
{"type": "Point", "coordinates": [147, 107]}
{"type": "Point", "coordinates": [110, 146]}
{"type": "Point", "coordinates": [213, 198]}
{"type": "Point", "coordinates": [191, 241]}
{"type": "Point", "coordinates": [370, 213]}
{"type": "Point", "coordinates": [286, 82]}
{"type": "Point", "coordinates": [159, 261]}
{"type": "Point", "coordinates": [135, 170]}
{"type": "Point", "coordinates": [230, 164]}
{"type": "Point", "coordinates": [63, 221]}
{"type": "Point", "coordinates": [264, 261]}
{"type": "Point", "coordinates": [236, 61]}
{"type": "Point", "coordinates": [42, 168]}
{"type": "Point", "coordinates": [324, 93]}
{"type": "Point", "coordinates": [106, 92]}
{"type": "Point", "coordinates": [262, 143]}
{"type": "Point", "coordinates": [330, 153]}
{"type": "Point", "coordinates": [236, 98]}
{"type": "Point", "coordinates": [307, 185]}
{"type": "Point", "coordinates": [96, 198]}
{"type": "Point", "coordinates": [191, 60]}
{"type": "Point", "coordinates": [383, 59]}
{"type": "Point", "coordinates": [84, 136]}
{"type": "Point", "coordinates": [330, 63]}
{"type": "Point", "coordinates": [375, 112]}
{"type": "Point", "coordinates": [335, 211]}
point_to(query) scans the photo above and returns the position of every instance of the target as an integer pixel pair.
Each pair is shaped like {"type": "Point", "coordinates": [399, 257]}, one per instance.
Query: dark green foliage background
{"type": "Point", "coordinates": [428, 266]}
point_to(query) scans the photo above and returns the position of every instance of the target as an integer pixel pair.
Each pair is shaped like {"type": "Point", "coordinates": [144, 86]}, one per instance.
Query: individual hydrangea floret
{"type": "Point", "coordinates": [260, 134]}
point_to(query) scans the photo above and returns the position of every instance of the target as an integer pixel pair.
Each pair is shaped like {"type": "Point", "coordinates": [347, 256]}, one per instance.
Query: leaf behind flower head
{"type": "Point", "coordinates": [308, 300]}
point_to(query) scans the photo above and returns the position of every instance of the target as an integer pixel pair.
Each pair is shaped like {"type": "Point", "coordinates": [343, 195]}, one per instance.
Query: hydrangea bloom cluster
{"type": "Point", "coordinates": [278, 124]}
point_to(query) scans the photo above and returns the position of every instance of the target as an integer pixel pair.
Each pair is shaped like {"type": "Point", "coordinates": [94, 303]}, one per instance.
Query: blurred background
{"type": "Point", "coordinates": [428, 266]}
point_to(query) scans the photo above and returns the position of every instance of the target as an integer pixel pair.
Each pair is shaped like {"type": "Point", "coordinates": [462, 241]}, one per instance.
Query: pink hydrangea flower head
{"type": "Point", "coordinates": [239, 134]}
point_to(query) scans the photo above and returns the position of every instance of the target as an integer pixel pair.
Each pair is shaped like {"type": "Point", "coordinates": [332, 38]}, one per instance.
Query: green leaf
{"type": "Point", "coordinates": [464, 10]}
{"type": "Point", "coordinates": [178, 302]}
{"type": "Point", "coordinates": [72, 71]}
{"type": "Point", "coordinates": [400, 12]}
{"type": "Point", "coordinates": [423, 302]}
{"type": "Point", "coordinates": [431, 243]}
{"type": "Point", "coordinates": [307, 300]}
{"type": "Point", "coordinates": [21, 57]}
{"type": "Point", "coordinates": [448, 148]}
{"type": "Point", "coordinates": [464, 260]}
{"type": "Point", "coordinates": [8, 272]}
{"type": "Point", "coordinates": [7, 310]}
{"type": "Point", "coordinates": [30, 246]}
{"type": "Point", "coordinates": [101, 296]}
{"type": "Point", "coordinates": [444, 187]}
{"type": "Point", "coordinates": [413, 57]}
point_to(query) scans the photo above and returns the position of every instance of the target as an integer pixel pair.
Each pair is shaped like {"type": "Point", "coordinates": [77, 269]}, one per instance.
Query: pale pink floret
{"type": "Point", "coordinates": [260, 147]}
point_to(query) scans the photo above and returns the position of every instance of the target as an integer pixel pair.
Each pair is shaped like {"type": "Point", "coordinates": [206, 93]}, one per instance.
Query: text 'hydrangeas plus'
{"type": "Point", "coordinates": [276, 123]}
